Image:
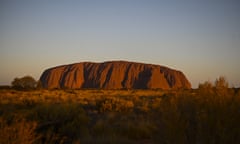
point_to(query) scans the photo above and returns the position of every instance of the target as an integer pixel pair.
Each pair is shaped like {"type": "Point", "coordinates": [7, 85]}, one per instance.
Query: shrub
{"type": "Point", "coordinates": [65, 122]}
{"type": "Point", "coordinates": [221, 83]}
{"type": "Point", "coordinates": [18, 132]}
{"type": "Point", "coordinates": [205, 86]}
{"type": "Point", "coordinates": [26, 82]}
{"type": "Point", "coordinates": [115, 104]}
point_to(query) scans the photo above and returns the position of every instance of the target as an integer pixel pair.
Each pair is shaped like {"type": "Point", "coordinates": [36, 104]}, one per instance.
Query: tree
{"type": "Point", "coordinates": [221, 83]}
{"type": "Point", "coordinates": [206, 87]}
{"type": "Point", "coordinates": [26, 82]}
{"type": "Point", "coordinates": [221, 86]}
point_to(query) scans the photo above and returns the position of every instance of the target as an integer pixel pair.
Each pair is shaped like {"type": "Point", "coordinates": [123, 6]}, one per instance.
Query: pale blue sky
{"type": "Point", "coordinates": [199, 37]}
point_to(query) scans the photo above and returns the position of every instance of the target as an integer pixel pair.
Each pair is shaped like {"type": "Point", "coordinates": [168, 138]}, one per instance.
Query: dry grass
{"type": "Point", "coordinates": [205, 115]}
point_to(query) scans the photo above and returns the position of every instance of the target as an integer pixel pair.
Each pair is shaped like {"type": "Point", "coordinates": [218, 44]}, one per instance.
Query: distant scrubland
{"type": "Point", "coordinates": [209, 114]}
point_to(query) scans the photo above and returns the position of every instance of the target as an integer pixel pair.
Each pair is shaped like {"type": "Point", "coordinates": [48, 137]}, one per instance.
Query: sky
{"type": "Point", "coordinates": [199, 37]}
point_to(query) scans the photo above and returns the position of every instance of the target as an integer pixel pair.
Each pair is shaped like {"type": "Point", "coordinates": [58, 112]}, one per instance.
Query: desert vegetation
{"type": "Point", "coordinates": [209, 114]}
{"type": "Point", "coordinates": [24, 83]}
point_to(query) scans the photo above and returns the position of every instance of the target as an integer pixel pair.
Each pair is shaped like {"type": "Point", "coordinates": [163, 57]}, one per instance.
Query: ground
{"type": "Point", "coordinates": [204, 115]}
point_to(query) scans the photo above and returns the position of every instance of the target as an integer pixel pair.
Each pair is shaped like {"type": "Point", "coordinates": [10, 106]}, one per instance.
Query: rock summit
{"type": "Point", "coordinates": [113, 75]}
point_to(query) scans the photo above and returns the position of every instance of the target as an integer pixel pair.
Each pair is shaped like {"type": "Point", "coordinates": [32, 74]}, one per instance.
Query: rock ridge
{"type": "Point", "coordinates": [113, 75]}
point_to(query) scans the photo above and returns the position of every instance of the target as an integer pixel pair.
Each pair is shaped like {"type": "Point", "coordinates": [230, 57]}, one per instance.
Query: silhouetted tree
{"type": "Point", "coordinates": [221, 86]}
{"type": "Point", "coordinates": [26, 82]}
{"type": "Point", "coordinates": [206, 88]}
{"type": "Point", "coordinates": [205, 85]}
{"type": "Point", "coordinates": [221, 83]}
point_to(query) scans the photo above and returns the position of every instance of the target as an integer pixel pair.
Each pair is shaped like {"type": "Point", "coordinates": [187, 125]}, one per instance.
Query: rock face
{"type": "Point", "coordinates": [113, 75]}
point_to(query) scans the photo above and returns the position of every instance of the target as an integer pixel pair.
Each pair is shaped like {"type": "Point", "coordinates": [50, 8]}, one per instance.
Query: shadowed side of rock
{"type": "Point", "coordinates": [113, 75]}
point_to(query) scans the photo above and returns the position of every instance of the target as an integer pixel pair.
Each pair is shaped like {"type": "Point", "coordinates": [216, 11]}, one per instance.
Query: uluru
{"type": "Point", "coordinates": [113, 75]}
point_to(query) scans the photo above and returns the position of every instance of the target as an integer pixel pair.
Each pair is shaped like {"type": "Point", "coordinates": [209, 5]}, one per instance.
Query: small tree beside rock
{"type": "Point", "coordinates": [26, 82]}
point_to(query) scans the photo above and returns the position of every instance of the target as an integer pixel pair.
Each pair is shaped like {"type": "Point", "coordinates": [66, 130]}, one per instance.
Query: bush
{"type": "Point", "coordinates": [221, 83]}
{"type": "Point", "coordinates": [17, 132]}
{"type": "Point", "coordinates": [60, 122]}
{"type": "Point", "coordinates": [26, 82]}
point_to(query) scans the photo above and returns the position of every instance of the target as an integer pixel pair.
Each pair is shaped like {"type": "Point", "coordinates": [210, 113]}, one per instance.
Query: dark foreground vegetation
{"type": "Point", "coordinates": [208, 115]}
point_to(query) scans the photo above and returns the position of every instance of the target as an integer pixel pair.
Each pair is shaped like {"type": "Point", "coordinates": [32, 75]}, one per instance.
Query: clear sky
{"type": "Point", "coordinates": [199, 37]}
